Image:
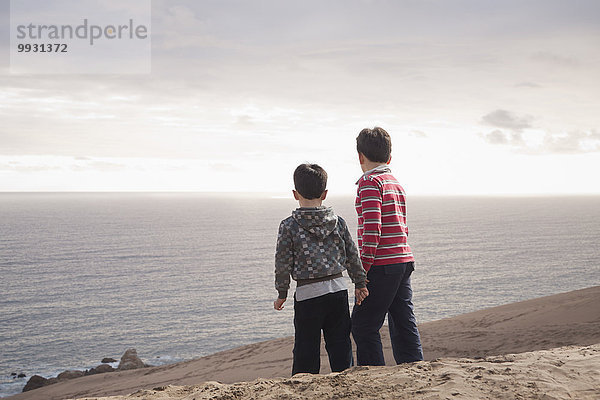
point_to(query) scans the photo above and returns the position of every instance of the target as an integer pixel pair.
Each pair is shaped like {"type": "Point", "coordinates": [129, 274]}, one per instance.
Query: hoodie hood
{"type": "Point", "coordinates": [380, 169]}
{"type": "Point", "coordinates": [319, 221]}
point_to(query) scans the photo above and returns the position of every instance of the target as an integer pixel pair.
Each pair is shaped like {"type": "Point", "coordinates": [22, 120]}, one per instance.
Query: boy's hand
{"type": "Point", "coordinates": [360, 295]}
{"type": "Point", "coordinates": [278, 304]}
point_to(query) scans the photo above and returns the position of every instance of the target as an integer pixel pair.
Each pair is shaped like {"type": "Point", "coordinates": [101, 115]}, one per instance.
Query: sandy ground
{"type": "Point", "coordinates": [546, 323]}
{"type": "Point", "coordinates": [537, 375]}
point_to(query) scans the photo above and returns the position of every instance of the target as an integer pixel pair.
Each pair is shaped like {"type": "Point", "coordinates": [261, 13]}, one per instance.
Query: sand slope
{"type": "Point", "coordinates": [563, 373]}
{"type": "Point", "coordinates": [571, 318]}
{"type": "Point", "coordinates": [565, 319]}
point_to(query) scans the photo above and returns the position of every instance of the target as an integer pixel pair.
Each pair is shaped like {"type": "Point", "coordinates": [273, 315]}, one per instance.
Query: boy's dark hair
{"type": "Point", "coordinates": [375, 144]}
{"type": "Point", "coordinates": [310, 180]}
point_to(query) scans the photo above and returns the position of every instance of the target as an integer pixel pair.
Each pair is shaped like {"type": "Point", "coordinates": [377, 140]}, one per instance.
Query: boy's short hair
{"type": "Point", "coordinates": [375, 144]}
{"type": "Point", "coordinates": [310, 180]}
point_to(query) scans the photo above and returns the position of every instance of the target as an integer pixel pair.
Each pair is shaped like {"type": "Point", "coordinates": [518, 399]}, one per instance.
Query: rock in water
{"type": "Point", "coordinates": [100, 369]}
{"type": "Point", "coordinates": [108, 360]}
{"type": "Point", "coordinates": [70, 374]}
{"type": "Point", "coordinates": [35, 382]}
{"type": "Point", "coordinates": [130, 360]}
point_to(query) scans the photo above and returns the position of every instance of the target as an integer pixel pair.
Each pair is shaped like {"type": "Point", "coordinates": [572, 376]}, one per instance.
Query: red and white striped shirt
{"type": "Point", "coordinates": [382, 230]}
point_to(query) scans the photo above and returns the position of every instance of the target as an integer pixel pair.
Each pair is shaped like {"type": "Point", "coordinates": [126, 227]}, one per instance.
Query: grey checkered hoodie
{"type": "Point", "coordinates": [314, 243]}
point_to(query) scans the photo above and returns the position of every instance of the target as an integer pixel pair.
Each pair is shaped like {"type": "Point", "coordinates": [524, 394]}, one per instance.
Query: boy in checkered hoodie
{"type": "Point", "coordinates": [314, 246]}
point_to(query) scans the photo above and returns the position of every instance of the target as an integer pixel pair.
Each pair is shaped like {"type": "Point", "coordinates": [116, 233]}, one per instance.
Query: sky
{"type": "Point", "coordinates": [480, 98]}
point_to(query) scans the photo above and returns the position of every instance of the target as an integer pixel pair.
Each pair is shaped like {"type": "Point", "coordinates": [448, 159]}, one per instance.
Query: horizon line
{"type": "Point", "coordinates": [279, 194]}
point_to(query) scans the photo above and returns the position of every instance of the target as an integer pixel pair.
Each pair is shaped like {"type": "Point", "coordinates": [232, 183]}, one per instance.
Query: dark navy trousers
{"type": "Point", "coordinates": [389, 293]}
{"type": "Point", "coordinates": [329, 313]}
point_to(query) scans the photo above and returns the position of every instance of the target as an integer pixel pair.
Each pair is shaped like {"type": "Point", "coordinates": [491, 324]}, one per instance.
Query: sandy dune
{"type": "Point", "coordinates": [536, 375]}
{"type": "Point", "coordinates": [546, 323]}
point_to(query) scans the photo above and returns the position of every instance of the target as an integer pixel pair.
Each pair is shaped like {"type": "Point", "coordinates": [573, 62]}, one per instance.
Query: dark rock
{"type": "Point", "coordinates": [108, 360]}
{"type": "Point", "coordinates": [70, 374]}
{"type": "Point", "coordinates": [103, 368]}
{"type": "Point", "coordinates": [13, 374]}
{"type": "Point", "coordinates": [130, 360]}
{"type": "Point", "coordinates": [35, 382]}
{"type": "Point", "coordinates": [21, 375]}
{"type": "Point", "coordinates": [100, 369]}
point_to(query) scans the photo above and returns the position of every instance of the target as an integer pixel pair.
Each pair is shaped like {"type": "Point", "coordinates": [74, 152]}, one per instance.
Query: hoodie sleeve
{"type": "Point", "coordinates": [284, 260]}
{"type": "Point", "coordinates": [353, 263]}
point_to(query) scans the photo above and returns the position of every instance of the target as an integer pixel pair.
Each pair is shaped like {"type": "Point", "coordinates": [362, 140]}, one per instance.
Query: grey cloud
{"type": "Point", "coordinates": [532, 85]}
{"type": "Point", "coordinates": [496, 137]}
{"type": "Point", "coordinates": [244, 122]}
{"type": "Point", "coordinates": [574, 142]}
{"type": "Point", "coordinates": [276, 22]}
{"type": "Point", "coordinates": [499, 137]}
{"type": "Point", "coordinates": [4, 35]}
{"type": "Point", "coordinates": [507, 120]}
{"type": "Point", "coordinates": [516, 138]}
{"type": "Point", "coordinates": [555, 59]}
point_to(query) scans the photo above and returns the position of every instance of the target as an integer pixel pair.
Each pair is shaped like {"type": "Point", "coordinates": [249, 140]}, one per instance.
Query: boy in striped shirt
{"type": "Point", "coordinates": [385, 255]}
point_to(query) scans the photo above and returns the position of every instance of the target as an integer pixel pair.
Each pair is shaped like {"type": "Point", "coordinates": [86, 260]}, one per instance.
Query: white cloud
{"type": "Point", "coordinates": [418, 134]}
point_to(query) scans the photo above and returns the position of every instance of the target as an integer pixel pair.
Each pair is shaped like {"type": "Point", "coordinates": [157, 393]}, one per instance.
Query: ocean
{"type": "Point", "coordinates": [178, 276]}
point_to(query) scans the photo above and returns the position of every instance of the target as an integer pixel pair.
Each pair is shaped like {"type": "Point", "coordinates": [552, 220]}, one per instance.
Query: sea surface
{"type": "Point", "coordinates": [85, 276]}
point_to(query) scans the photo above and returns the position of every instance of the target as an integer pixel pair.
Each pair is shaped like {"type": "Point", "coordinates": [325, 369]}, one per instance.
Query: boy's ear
{"type": "Point", "coordinates": [389, 159]}
{"type": "Point", "coordinates": [361, 158]}
{"type": "Point", "coordinates": [295, 194]}
{"type": "Point", "coordinates": [324, 195]}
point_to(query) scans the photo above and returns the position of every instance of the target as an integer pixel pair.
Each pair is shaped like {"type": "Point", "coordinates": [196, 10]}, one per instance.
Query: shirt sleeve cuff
{"type": "Point", "coordinates": [282, 294]}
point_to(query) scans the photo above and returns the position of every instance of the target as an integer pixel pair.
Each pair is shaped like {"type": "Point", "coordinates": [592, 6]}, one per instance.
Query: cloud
{"type": "Point", "coordinates": [499, 137]}
{"type": "Point", "coordinates": [92, 165]}
{"type": "Point", "coordinates": [507, 120]}
{"type": "Point", "coordinates": [496, 137]}
{"type": "Point", "coordinates": [521, 138]}
{"type": "Point", "coordinates": [245, 122]}
{"type": "Point", "coordinates": [222, 166]}
{"type": "Point", "coordinates": [418, 134]}
{"type": "Point", "coordinates": [58, 163]}
{"type": "Point", "coordinates": [12, 166]}
{"type": "Point", "coordinates": [552, 59]}
{"type": "Point", "coordinates": [574, 142]}
{"type": "Point", "coordinates": [532, 85]}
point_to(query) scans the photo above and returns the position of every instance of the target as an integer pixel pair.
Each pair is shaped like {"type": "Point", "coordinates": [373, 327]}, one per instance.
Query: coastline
{"type": "Point", "coordinates": [566, 319]}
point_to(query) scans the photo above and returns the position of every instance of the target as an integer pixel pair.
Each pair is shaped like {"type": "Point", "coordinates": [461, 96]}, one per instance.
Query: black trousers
{"type": "Point", "coordinates": [389, 293]}
{"type": "Point", "coordinates": [330, 314]}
